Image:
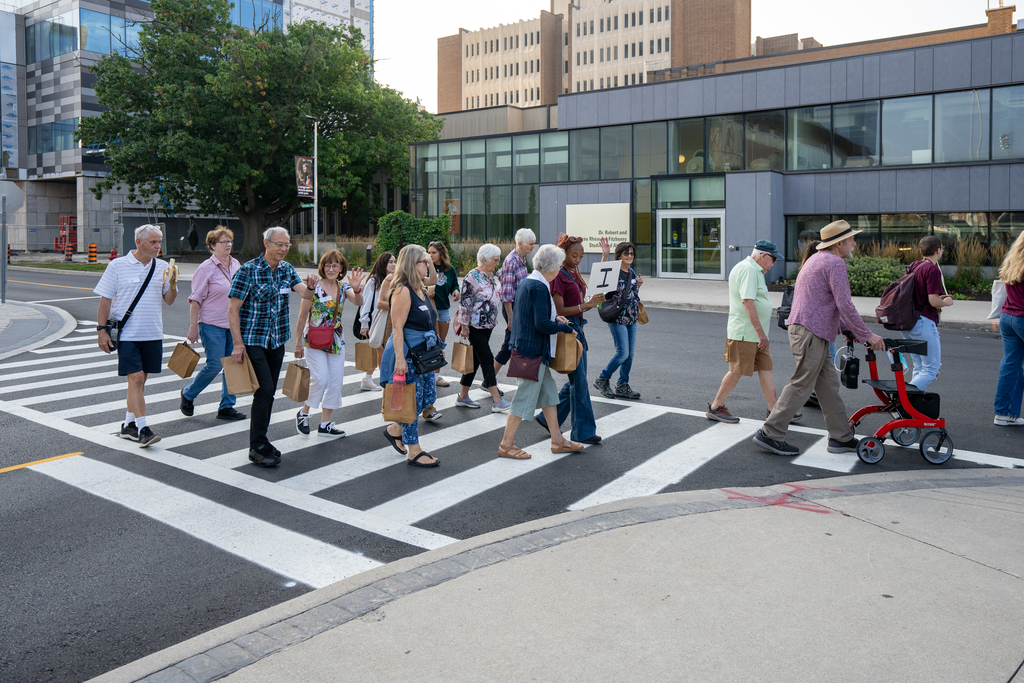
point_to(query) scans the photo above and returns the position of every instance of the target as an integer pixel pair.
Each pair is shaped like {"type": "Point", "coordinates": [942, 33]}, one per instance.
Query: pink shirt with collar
{"type": "Point", "coordinates": [210, 285]}
{"type": "Point", "coordinates": [822, 301]}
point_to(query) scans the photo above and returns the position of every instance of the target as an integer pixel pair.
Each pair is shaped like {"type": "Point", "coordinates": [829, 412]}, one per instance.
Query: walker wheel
{"type": "Point", "coordinates": [870, 449]}
{"type": "Point", "coordinates": [936, 447]}
{"type": "Point", "coordinates": [905, 436]}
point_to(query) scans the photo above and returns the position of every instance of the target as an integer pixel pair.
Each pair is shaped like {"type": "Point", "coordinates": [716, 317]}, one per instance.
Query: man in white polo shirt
{"type": "Point", "coordinates": [140, 340]}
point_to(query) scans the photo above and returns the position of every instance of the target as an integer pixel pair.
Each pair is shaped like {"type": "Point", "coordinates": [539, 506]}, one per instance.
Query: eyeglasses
{"type": "Point", "coordinates": [424, 261]}
{"type": "Point", "coordinates": [332, 266]}
{"type": "Point", "coordinates": [280, 244]}
{"type": "Point", "coordinates": [436, 244]}
{"type": "Point", "coordinates": [629, 253]}
{"type": "Point", "coordinates": [225, 243]}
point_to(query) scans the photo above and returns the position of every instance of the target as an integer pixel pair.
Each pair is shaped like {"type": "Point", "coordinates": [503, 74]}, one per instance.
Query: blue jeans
{"type": "Point", "coordinates": [1010, 387]}
{"type": "Point", "coordinates": [217, 344]}
{"type": "Point", "coordinates": [426, 389]}
{"type": "Point", "coordinates": [574, 397]}
{"type": "Point", "coordinates": [624, 337]}
{"type": "Point", "coordinates": [926, 368]}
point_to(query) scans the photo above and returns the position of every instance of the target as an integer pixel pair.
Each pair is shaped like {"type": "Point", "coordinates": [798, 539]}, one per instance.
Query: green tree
{"type": "Point", "coordinates": [209, 115]}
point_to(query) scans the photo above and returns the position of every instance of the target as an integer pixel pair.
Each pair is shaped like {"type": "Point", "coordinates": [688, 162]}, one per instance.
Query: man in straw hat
{"type": "Point", "coordinates": [822, 308]}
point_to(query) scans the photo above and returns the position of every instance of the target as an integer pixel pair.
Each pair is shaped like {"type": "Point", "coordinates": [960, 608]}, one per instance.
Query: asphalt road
{"type": "Point", "coordinates": [118, 553]}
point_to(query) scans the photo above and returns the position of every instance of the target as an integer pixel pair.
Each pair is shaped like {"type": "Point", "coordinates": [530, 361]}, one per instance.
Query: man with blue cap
{"type": "Point", "coordinates": [746, 344]}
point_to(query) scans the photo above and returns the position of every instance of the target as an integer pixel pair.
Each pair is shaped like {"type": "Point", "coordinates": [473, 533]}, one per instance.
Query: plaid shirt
{"type": "Point", "coordinates": [513, 272]}
{"type": "Point", "coordinates": [264, 293]}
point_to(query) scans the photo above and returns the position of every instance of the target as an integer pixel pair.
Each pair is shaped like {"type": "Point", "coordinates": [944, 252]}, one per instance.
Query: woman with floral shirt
{"type": "Point", "coordinates": [326, 366]}
{"type": "Point", "coordinates": [477, 316]}
{"type": "Point", "coordinates": [623, 328]}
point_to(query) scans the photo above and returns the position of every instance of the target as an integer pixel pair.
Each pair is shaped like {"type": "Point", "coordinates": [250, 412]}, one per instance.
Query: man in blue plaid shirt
{"type": "Point", "coordinates": [513, 272]}
{"type": "Point", "coordinates": [259, 319]}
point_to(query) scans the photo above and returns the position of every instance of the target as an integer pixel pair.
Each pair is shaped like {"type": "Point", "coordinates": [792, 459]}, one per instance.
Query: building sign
{"type": "Point", "coordinates": [304, 176]}
{"type": "Point", "coordinates": [594, 221]}
{"type": "Point", "coordinates": [451, 207]}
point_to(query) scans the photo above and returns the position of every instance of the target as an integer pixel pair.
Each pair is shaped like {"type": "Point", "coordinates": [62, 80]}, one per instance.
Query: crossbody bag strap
{"type": "Point", "coordinates": [138, 296]}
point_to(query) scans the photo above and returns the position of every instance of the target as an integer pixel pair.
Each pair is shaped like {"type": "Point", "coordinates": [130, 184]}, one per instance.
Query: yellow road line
{"type": "Point", "coordinates": [39, 462]}
{"type": "Point", "coordinates": [42, 284]}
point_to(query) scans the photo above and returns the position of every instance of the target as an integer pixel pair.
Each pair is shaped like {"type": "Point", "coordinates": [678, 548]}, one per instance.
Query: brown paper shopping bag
{"type": "Point", "coordinates": [296, 381]}
{"type": "Point", "coordinates": [241, 378]}
{"type": "Point", "coordinates": [462, 358]}
{"type": "Point", "coordinates": [400, 402]}
{"type": "Point", "coordinates": [366, 357]}
{"type": "Point", "coordinates": [568, 351]}
{"type": "Point", "coordinates": [183, 360]}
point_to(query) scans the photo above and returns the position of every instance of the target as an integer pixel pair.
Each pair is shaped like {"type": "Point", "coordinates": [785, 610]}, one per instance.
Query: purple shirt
{"type": "Point", "coordinates": [927, 280]}
{"type": "Point", "coordinates": [513, 272]}
{"type": "Point", "coordinates": [210, 286]}
{"type": "Point", "coordinates": [821, 299]}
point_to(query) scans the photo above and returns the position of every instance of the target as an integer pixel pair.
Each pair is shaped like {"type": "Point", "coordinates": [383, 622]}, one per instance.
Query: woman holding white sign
{"type": "Point", "coordinates": [569, 292]}
{"type": "Point", "coordinates": [622, 325]}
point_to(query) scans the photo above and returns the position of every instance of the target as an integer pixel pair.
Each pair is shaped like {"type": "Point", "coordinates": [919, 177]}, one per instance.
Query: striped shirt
{"type": "Point", "coordinates": [264, 293]}
{"type": "Point", "coordinates": [120, 283]}
{"type": "Point", "coordinates": [513, 272]}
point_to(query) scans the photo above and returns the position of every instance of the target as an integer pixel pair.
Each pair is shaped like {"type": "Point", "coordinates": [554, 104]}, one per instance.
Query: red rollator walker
{"type": "Point", "coordinates": [911, 409]}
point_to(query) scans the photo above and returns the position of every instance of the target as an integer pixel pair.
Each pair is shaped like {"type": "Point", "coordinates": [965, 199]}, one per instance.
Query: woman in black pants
{"type": "Point", "coordinates": [477, 316]}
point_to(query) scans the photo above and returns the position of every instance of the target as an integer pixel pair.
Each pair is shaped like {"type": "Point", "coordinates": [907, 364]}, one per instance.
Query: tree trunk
{"type": "Point", "coordinates": [253, 224]}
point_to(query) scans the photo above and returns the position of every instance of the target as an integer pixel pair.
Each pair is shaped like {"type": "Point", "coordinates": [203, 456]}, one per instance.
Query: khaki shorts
{"type": "Point", "coordinates": [744, 358]}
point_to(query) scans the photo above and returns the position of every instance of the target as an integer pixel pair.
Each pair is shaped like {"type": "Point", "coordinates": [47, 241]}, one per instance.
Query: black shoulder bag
{"type": "Point", "coordinates": [356, 325]}
{"type": "Point", "coordinates": [115, 326]}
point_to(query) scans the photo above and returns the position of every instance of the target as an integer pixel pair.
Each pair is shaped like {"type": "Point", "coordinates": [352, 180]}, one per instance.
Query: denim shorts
{"type": "Point", "coordinates": [444, 315]}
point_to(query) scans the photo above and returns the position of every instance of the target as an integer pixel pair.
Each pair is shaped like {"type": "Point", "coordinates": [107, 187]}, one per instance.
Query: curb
{"type": "Point", "coordinates": [68, 325]}
{"type": "Point", "coordinates": [182, 277]}
{"type": "Point", "coordinates": [232, 647]}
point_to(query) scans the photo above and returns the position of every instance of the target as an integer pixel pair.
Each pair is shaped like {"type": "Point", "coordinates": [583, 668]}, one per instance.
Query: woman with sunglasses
{"type": "Point", "coordinates": [208, 308]}
{"type": "Point", "coordinates": [623, 328]}
{"type": "Point", "coordinates": [569, 291]}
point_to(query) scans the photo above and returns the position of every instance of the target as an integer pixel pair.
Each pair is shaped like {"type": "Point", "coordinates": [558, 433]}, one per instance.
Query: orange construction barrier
{"type": "Point", "coordinates": [92, 253]}
{"type": "Point", "coordinates": [68, 251]}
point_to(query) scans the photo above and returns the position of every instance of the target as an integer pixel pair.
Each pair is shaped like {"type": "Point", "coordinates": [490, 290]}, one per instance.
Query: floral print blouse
{"type": "Point", "coordinates": [320, 313]}
{"type": "Point", "coordinates": [480, 302]}
{"type": "Point", "coordinates": [629, 289]}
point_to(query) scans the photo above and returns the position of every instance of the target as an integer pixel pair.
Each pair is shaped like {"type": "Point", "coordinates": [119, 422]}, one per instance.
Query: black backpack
{"type": "Point", "coordinates": [787, 306]}
{"type": "Point", "coordinates": [897, 309]}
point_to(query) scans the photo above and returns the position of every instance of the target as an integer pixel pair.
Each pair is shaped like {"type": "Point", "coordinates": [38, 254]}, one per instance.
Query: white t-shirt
{"type": "Point", "coordinates": [120, 283]}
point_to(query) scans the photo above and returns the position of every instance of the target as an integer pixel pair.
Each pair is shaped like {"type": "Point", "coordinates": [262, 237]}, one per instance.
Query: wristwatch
{"type": "Point", "coordinates": [102, 327]}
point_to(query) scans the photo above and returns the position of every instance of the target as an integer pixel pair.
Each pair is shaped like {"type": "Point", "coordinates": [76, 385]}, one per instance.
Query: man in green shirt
{"type": "Point", "coordinates": [746, 345]}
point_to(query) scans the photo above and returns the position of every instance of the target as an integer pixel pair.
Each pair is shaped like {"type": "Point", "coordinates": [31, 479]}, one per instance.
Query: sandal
{"type": "Point", "coordinates": [513, 452]}
{"type": "Point", "coordinates": [415, 462]}
{"type": "Point", "coordinates": [567, 446]}
{"type": "Point", "coordinates": [394, 441]}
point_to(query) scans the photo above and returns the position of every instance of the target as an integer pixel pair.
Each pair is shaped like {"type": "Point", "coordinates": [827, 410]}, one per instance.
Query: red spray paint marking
{"type": "Point", "coordinates": [785, 500]}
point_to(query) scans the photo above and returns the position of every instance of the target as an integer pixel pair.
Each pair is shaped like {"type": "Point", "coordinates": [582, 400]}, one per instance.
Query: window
{"type": "Point", "coordinates": [504, 43]}
{"type": "Point", "coordinates": [450, 160]}
{"type": "Point", "coordinates": [634, 79]}
{"type": "Point", "coordinates": [531, 66]}
{"type": "Point", "coordinates": [517, 97]}
{"type": "Point", "coordinates": [616, 82]}
{"type": "Point", "coordinates": [651, 52]}
{"type": "Point", "coordinates": [577, 29]}
{"type": "Point", "coordinates": [641, 49]}
{"type": "Point", "coordinates": [907, 130]}
{"type": "Point", "coordinates": [659, 45]}
{"type": "Point", "coordinates": [615, 23]}
{"type": "Point", "coordinates": [641, 79]}
{"type": "Point", "coordinates": [554, 156]}
{"type": "Point", "coordinates": [634, 17]}
{"type": "Point", "coordinates": [566, 68]}
{"type": "Point", "coordinates": [566, 38]}
{"type": "Point", "coordinates": [584, 154]}
{"type": "Point", "coordinates": [531, 38]}
{"type": "Point", "coordinates": [538, 37]}
{"type": "Point", "coordinates": [725, 142]}
{"type": "Point", "coordinates": [625, 21]}
{"type": "Point", "coordinates": [652, 15]}
{"type": "Point", "coordinates": [52, 137]}
{"type": "Point", "coordinates": [426, 166]}
{"type": "Point", "coordinates": [1008, 122]}
{"type": "Point", "coordinates": [633, 45]}
{"type": "Point", "coordinates": [473, 213]}
{"type": "Point", "coordinates": [801, 231]}
{"type": "Point", "coordinates": [591, 56]}
{"type": "Point", "coordinates": [615, 52]}
{"type": "Point", "coordinates": [674, 194]}
{"type": "Point", "coordinates": [525, 212]}
{"type": "Point", "coordinates": [641, 13]}
{"type": "Point", "coordinates": [538, 66]}
{"type": "Point", "coordinates": [591, 87]}
{"type": "Point", "coordinates": [601, 54]}
{"type": "Point", "coordinates": [707, 192]}
{"type": "Point", "coordinates": [960, 130]}
{"type": "Point", "coordinates": [616, 152]}
{"type": "Point", "coordinates": [602, 84]}
{"type": "Point", "coordinates": [591, 27]}
{"type": "Point", "coordinates": [577, 86]}
{"type": "Point", "coordinates": [766, 140]}
{"type": "Point", "coordinates": [650, 149]}
{"type": "Point", "coordinates": [498, 202]}
{"type": "Point", "coordinates": [527, 158]}
{"type": "Point", "coordinates": [517, 68]}
{"type": "Point", "coordinates": [601, 25]}
{"type": "Point", "coordinates": [666, 12]}
{"type": "Point", "coordinates": [473, 162]}
{"type": "Point", "coordinates": [517, 40]}
{"type": "Point", "coordinates": [577, 59]}
{"type": "Point", "coordinates": [584, 56]}
{"type": "Point", "coordinates": [808, 138]}
{"type": "Point", "coordinates": [953, 228]}
{"type": "Point", "coordinates": [477, 100]}
{"type": "Point", "coordinates": [49, 39]}
{"type": "Point", "coordinates": [666, 45]}
{"type": "Point", "coordinates": [504, 70]}
{"type": "Point", "coordinates": [855, 134]}
{"type": "Point", "coordinates": [584, 28]}
{"type": "Point", "coordinates": [686, 145]}
{"type": "Point", "coordinates": [905, 229]}
{"type": "Point", "coordinates": [659, 14]}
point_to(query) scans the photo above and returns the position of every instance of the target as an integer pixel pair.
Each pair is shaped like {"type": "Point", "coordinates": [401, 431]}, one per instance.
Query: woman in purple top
{"type": "Point", "coordinates": [822, 308]}
{"type": "Point", "coordinates": [929, 296]}
{"type": "Point", "coordinates": [208, 304]}
{"type": "Point", "coordinates": [1010, 388]}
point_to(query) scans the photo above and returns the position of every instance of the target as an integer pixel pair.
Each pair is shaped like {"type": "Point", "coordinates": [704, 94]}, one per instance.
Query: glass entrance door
{"type": "Point", "coordinates": [690, 244]}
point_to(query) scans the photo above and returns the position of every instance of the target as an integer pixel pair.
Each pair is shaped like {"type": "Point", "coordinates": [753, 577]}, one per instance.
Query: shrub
{"type": "Point", "coordinates": [397, 229]}
{"type": "Point", "coordinates": [999, 252]}
{"type": "Point", "coordinates": [869, 275]}
{"type": "Point", "coordinates": [463, 254]}
{"type": "Point", "coordinates": [969, 257]}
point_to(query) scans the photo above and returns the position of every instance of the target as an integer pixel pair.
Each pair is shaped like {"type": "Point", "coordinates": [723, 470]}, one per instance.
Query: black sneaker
{"type": "Point", "coordinates": [129, 431]}
{"type": "Point", "coordinates": [625, 391]}
{"type": "Point", "coordinates": [595, 439]}
{"type": "Point", "coordinates": [187, 407]}
{"type": "Point", "coordinates": [261, 459]}
{"type": "Point", "coordinates": [302, 423]}
{"type": "Point", "coordinates": [835, 446]}
{"type": "Point", "coordinates": [796, 417]}
{"type": "Point", "coordinates": [601, 384]}
{"type": "Point", "coordinates": [777, 447]}
{"type": "Point", "coordinates": [721, 414]}
{"type": "Point", "coordinates": [329, 430]}
{"type": "Point", "coordinates": [230, 414]}
{"type": "Point", "coordinates": [147, 437]}
{"type": "Point", "coordinates": [486, 386]}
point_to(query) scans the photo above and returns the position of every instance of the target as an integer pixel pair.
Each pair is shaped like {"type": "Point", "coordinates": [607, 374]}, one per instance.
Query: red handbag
{"type": "Point", "coordinates": [321, 337]}
{"type": "Point", "coordinates": [523, 367]}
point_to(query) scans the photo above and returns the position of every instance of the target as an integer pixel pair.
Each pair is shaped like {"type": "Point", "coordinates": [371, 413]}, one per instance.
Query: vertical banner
{"type": "Point", "coordinates": [451, 207]}
{"type": "Point", "coordinates": [304, 176]}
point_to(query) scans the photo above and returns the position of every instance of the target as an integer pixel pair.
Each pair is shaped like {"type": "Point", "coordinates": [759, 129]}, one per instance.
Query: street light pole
{"type": "Point", "coordinates": [316, 190]}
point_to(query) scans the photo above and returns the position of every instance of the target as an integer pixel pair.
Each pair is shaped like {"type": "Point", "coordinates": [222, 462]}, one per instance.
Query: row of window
{"type": "Point", "coordinates": [107, 34]}
{"type": "Point", "coordinates": [629, 51]}
{"type": "Point", "coordinates": [506, 43]}
{"type": "Point", "coordinates": [484, 213]}
{"type": "Point", "coordinates": [954, 127]}
{"type": "Point", "coordinates": [511, 97]}
{"type": "Point", "coordinates": [610, 82]}
{"type": "Point", "coordinates": [996, 231]}
{"type": "Point", "coordinates": [628, 21]}
{"type": "Point", "coordinates": [507, 71]}
{"type": "Point", "coordinates": [52, 137]}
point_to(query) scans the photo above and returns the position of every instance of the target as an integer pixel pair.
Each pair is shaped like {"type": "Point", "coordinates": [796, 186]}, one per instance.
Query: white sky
{"type": "Point", "coordinates": [406, 31]}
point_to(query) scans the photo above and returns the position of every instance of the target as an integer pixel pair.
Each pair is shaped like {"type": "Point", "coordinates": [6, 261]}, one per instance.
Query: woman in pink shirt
{"type": "Point", "coordinates": [208, 305]}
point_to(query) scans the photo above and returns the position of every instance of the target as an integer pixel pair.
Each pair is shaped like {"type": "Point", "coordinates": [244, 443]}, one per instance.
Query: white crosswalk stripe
{"type": "Point", "coordinates": [71, 383]}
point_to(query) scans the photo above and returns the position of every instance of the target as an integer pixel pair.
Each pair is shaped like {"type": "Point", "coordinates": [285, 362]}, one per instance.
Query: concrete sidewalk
{"type": "Point", "coordinates": [893, 577]}
{"type": "Point", "coordinates": [24, 327]}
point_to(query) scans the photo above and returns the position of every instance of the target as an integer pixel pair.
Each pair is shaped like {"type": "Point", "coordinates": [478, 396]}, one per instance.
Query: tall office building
{"type": "Point", "coordinates": [584, 46]}
{"type": "Point", "coordinates": [46, 49]}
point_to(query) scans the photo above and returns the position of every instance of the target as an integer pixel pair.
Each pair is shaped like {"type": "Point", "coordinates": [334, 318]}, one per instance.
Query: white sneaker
{"type": "Point", "coordinates": [440, 381]}
{"type": "Point", "coordinates": [367, 384]}
{"type": "Point", "coordinates": [1008, 421]}
{"type": "Point", "coordinates": [466, 403]}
